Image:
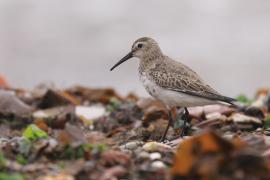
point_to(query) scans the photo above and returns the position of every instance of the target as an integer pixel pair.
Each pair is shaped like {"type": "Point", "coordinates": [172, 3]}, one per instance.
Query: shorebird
{"type": "Point", "coordinates": [171, 82]}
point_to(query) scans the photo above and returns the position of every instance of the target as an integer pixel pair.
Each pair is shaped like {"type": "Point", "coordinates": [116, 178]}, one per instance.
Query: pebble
{"type": "Point", "coordinates": [58, 176]}
{"type": "Point", "coordinates": [153, 109]}
{"type": "Point", "coordinates": [254, 112]}
{"type": "Point", "coordinates": [127, 151]}
{"type": "Point", "coordinates": [40, 114]}
{"type": "Point", "coordinates": [156, 165]}
{"type": "Point", "coordinates": [52, 143]}
{"type": "Point", "coordinates": [144, 155]}
{"type": "Point", "coordinates": [267, 132]}
{"type": "Point", "coordinates": [215, 115]}
{"type": "Point", "coordinates": [267, 140]}
{"type": "Point", "coordinates": [209, 123]}
{"type": "Point", "coordinates": [10, 103]}
{"type": "Point", "coordinates": [241, 118]}
{"type": "Point", "coordinates": [259, 131]}
{"type": "Point", "coordinates": [155, 146]}
{"type": "Point", "coordinates": [217, 109]}
{"type": "Point", "coordinates": [132, 145]}
{"type": "Point", "coordinates": [49, 113]}
{"type": "Point", "coordinates": [90, 112]}
{"type": "Point", "coordinates": [245, 126]}
{"type": "Point", "coordinates": [228, 136]}
{"type": "Point", "coordinates": [155, 156]}
{"type": "Point", "coordinates": [196, 111]}
{"type": "Point", "coordinates": [266, 153]}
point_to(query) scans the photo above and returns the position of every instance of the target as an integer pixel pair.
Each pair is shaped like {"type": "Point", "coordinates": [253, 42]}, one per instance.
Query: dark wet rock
{"type": "Point", "coordinates": [94, 95]}
{"type": "Point", "coordinates": [127, 113]}
{"type": "Point", "coordinates": [254, 112]}
{"type": "Point", "coordinates": [245, 122]}
{"type": "Point", "coordinates": [153, 110]}
{"type": "Point", "coordinates": [57, 98]}
{"type": "Point", "coordinates": [11, 104]}
{"type": "Point", "coordinates": [72, 135]}
{"type": "Point", "coordinates": [41, 89]}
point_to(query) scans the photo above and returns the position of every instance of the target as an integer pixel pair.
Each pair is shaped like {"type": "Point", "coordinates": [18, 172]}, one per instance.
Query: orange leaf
{"type": "Point", "coordinates": [191, 150]}
{"type": "Point", "coordinates": [3, 82]}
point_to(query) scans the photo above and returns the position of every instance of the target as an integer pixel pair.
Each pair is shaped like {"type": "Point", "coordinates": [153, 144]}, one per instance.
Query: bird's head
{"type": "Point", "coordinates": [144, 48]}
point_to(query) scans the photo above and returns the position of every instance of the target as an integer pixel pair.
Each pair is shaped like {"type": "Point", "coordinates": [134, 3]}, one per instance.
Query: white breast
{"type": "Point", "coordinates": [172, 98]}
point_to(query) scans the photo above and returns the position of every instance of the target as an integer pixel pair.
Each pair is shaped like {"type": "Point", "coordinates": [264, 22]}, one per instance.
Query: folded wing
{"type": "Point", "coordinates": [187, 83]}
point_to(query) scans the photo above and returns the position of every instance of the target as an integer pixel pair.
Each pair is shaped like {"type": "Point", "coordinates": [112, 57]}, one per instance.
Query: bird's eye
{"type": "Point", "coordinates": [140, 45]}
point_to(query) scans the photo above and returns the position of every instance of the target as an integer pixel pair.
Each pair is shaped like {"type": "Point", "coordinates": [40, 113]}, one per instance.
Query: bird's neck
{"type": "Point", "coordinates": [149, 62]}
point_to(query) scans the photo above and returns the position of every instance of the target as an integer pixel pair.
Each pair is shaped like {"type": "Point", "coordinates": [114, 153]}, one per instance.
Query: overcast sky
{"type": "Point", "coordinates": [76, 41]}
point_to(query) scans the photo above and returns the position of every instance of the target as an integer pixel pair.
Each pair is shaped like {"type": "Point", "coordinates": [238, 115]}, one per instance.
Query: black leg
{"type": "Point", "coordinates": [168, 126]}
{"type": "Point", "coordinates": [186, 119]}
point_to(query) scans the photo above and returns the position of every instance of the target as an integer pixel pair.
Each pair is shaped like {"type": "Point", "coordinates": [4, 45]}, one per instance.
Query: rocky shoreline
{"type": "Point", "coordinates": [86, 133]}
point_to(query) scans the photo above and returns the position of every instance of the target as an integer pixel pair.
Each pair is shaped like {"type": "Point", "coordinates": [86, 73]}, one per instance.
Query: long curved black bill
{"type": "Point", "coordinates": [127, 57]}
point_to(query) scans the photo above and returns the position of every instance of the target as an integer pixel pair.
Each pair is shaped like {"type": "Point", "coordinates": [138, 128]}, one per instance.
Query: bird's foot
{"type": "Point", "coordinates": [182, 133]}
{"type": "Point", "coordinates": [186, 126]}
{"type": "Point", "coordinates": [185, 130]}
{"type": "Point", "coordinates": [186, 117]}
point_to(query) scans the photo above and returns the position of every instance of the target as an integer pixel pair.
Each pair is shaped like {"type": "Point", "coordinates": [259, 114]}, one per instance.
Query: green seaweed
{"type": "Point", "coordinates": [32, 132]}
{"type": "Point", "coordinates": [244, 99]}
{"type": "Point", "coordinates": [15, 176]}
{"type": "Point", "coordinates": [266, 123]}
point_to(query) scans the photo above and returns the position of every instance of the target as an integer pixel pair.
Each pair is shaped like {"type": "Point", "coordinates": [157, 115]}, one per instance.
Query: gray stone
{"type": "Point", "coordinates": [155, 156]}
{"type": "Point", "coordinates": [156, 165]}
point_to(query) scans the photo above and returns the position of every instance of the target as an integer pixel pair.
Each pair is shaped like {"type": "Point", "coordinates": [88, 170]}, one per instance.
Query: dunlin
{"type": "Point", "coordinates": [172, 82]}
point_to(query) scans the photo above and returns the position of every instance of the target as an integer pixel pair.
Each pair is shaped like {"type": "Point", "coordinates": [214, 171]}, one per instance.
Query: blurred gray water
{"type": "Point", "coordinates": [76, 42]}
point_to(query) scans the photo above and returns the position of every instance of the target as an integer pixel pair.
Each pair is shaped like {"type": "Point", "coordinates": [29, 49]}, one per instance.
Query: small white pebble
{"type": "Point", "coordinates": [53, 143]}
{"type": "Point", "coordinates": [155, 156]}
{"type": "Point", "coordinates": [90, 112]}
{"type": "Point", "coordinates": [40, 114]}
{"type": "Point", "coordinates": [158, 165]}
{"type": "Point", "coordinates": [144, 155]}
{"type": "Point", "coordinates": [228, 136]}
{"type": "Point", "coordinates": [91, 127]}
{"type": "Point", "coordinates": [155, 146]}
{"type": "Point", "coordinates": [132, 145]}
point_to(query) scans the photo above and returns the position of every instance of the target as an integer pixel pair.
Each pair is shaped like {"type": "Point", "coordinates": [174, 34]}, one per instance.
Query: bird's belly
{"type": "Point", "coordinates": [173, 98]}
